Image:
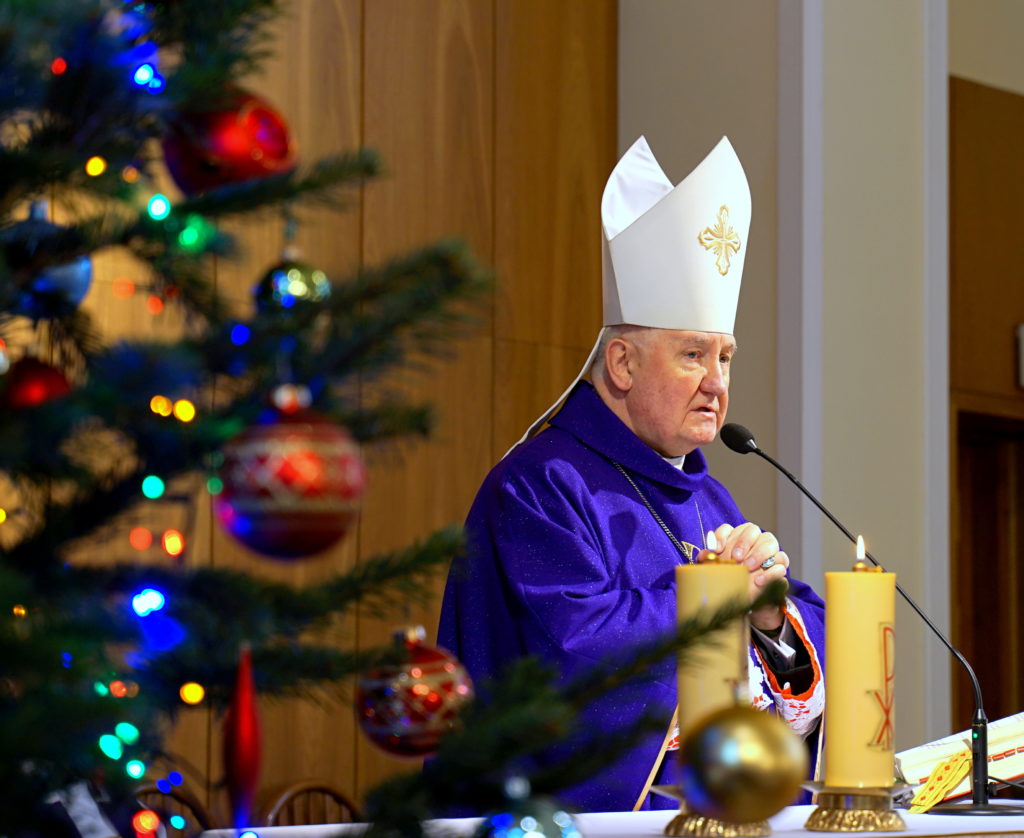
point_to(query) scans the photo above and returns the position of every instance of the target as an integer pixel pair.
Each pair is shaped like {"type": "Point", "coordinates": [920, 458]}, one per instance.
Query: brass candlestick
{"type": "Point", "coordinates": [854, 809]}
{"type": "Point", "coordinates": [691, 825]}
{"type": "Point", "coordinates": [697, 826]}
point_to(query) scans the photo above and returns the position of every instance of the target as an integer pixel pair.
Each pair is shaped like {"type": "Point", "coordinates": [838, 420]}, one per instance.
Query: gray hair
{"type": "Point", "coordinates": [637, 334]}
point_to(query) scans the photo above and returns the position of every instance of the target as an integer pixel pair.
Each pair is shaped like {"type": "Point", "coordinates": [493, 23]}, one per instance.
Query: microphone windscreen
{"type": "Point", "coordinates": [738, 438]}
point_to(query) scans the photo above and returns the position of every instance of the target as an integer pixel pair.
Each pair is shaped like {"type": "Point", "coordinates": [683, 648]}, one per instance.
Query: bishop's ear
{"type": "Point", "coordinates": [618, 359]}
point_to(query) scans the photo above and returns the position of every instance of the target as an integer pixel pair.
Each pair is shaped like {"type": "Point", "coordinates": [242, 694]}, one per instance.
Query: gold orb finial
{"type": "Point", "coordinates": [741, 765]}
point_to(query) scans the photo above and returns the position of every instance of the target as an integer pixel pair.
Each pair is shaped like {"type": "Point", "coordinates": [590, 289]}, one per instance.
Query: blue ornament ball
{"type": "Point", "coordinates": [59, 289]}
{"type": "Point", "coordinates": [54, 290]}
{"type": "Point", "coordinates": [289, 283]}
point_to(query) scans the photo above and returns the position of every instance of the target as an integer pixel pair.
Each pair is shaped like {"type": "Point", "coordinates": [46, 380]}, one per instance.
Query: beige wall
{"type": "Point", "coordinates": [684, 81]}
{"type": "Point", "coordinates": [688, 73]}
{"type": "Point", "coordinates": [985, 42]}
{"type": "Point", "coordinates": [873, 397]}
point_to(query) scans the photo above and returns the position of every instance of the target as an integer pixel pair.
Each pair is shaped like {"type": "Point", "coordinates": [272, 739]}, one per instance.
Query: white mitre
{"type": "Point", "coordinates": [673, 256]}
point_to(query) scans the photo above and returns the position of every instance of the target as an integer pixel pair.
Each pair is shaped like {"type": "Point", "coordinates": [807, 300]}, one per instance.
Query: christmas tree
{"type": "Point", "coordinates": [263, 405]}
{"type": "Point", "coordinates": [262, 402]}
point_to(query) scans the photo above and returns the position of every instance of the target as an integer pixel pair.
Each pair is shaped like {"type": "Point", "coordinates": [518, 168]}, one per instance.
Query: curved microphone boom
{"type": "Point", "coordinates": [741, 440]}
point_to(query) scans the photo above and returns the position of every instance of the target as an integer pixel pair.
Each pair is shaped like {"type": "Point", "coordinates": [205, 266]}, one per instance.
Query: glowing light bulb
{"type": "Point", "coordinates": [19, 610]}
{"type": "Point", "coordinates": [240, 334]}
{"type": "Point", "coordinates": [146, 822]}
{"type": "Point", "coordinates": [154, 305]}
{"type": "Point", "coordinates": [129, 174]}
{"type": "Point", "coordinates": [58, 66]}
{"type": "Point", "coordinates": [140, 538]}
{"type": "Point", "coordinates": [3, 515]}
{"type": "Point", "coordinates": [95, 166]}
{"type": "Point", "coordinates": [161, 405]}
{"type": "Point", "coordinates": [144, 75]}
{"type": "Point", "coordinates": [127, 733]}
{"type": "Point", "coordinates": [123, 288]}
{"type": "Point", "coordinates": [158, 207]}
{"type": "Point", "coordinates": [118, 689]}
{"type": "Point", "coordinates": [173, 542]}
{"type": "Point", "coordinates": [214, 485]}
{"type": "Point", "coordinates": [135, 768]}
{"type": "Point", "coordinates": [147, 601]}
{"type": "Point", "coordinates": [177, 821]}
{"type": "Point", "coordinates": [184, 410]}
{"type": "Point", "coordinates": [153, 487]}
{"type": "Point", "coordinates": [192, 693]}
{"type": "Point", "coordinates": [111, 746]}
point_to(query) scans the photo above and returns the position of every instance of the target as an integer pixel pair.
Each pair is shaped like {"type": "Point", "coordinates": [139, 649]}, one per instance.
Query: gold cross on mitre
{"type": "Point", "coordinates": [721, 239]}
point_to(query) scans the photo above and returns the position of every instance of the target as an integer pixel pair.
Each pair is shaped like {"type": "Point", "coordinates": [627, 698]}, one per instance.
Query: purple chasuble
{"type": "Point", "coordinates": [565, 563]}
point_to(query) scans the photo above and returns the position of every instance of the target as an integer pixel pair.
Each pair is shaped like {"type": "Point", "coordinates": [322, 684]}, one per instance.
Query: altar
{"type": "Point", "coordinates": [789, 823]}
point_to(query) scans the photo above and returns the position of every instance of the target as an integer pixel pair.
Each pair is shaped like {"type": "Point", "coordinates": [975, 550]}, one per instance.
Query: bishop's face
{"type": "Point", "coordinates": [679, 389]}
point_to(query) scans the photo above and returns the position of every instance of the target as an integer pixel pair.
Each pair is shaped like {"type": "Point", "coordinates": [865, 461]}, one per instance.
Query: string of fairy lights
{"type": "Point", "coordinates": [148, 603]}
{"type": "Point", "coordinates": [285, 285]}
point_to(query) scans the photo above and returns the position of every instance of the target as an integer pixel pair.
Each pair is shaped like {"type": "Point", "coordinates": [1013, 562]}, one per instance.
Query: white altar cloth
{"type": "Point", "coordinates": [787, 824]}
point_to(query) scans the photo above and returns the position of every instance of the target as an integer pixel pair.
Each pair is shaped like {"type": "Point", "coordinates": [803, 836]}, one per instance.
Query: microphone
{"type": "Point", "coordinates": [741, 440]}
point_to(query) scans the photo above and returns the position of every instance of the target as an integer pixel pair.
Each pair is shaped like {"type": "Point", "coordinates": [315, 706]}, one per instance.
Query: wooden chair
{"type": "Point", "coordinates": [178, 801]}
{"type": "Point", "coordinates": [309, 802]}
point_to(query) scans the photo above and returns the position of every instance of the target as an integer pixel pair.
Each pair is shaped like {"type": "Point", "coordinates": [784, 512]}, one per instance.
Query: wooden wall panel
{"type": "Point", "coordinates": [528, 377]}
{"type": "Point", "coordinates": [986, 305]}
{"type": "Point", "coordinates": [555, 144]}
{"type": "Point", "coordinates": [315, 80]}
{"type": "Point", "coordinates": [986, 216]}
{"type": "Point", "coordinates": [429, 112]}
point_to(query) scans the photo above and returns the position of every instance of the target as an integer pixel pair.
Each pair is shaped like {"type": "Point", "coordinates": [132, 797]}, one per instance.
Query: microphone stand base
{"type": "Point", "coordinates": [978, 809]}
{"type": "Point", "coordinates": [854, 810]}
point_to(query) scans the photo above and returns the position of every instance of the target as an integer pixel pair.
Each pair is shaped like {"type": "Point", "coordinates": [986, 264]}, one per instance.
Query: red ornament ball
{"type": "Point", "coordinates": [292, 484]}
{"type": "Point", "coordinates": [245, 139]}
{"type": "Point", "coordinates": [405, 708]}
{"type": "Point", "coordinates": [31, 382]}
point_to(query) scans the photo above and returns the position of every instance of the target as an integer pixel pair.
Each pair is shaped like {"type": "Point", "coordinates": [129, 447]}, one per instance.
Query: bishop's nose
{"type": "Point", "coordinates": [714, 380]}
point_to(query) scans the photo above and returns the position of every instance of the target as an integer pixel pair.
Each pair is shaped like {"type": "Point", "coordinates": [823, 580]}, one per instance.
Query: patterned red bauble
{"type": "Point", "coordinates": [245, 139]}
{"type": "Point", "coordinates": [31, 382]}
{"type": "Point", "coordinates": [292, 484]}
{"type": "Point", "coordinates": [406, 708]}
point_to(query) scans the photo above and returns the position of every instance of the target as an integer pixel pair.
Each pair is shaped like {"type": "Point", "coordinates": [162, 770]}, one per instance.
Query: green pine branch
{"type": "Point", "coordinates": [320, 184]}
{"type": "Point", "coordinates": [520, 719]}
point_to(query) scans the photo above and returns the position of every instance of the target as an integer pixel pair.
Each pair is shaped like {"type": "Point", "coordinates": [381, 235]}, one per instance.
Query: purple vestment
{"type": "Point", "coordinates": [566, 563]}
